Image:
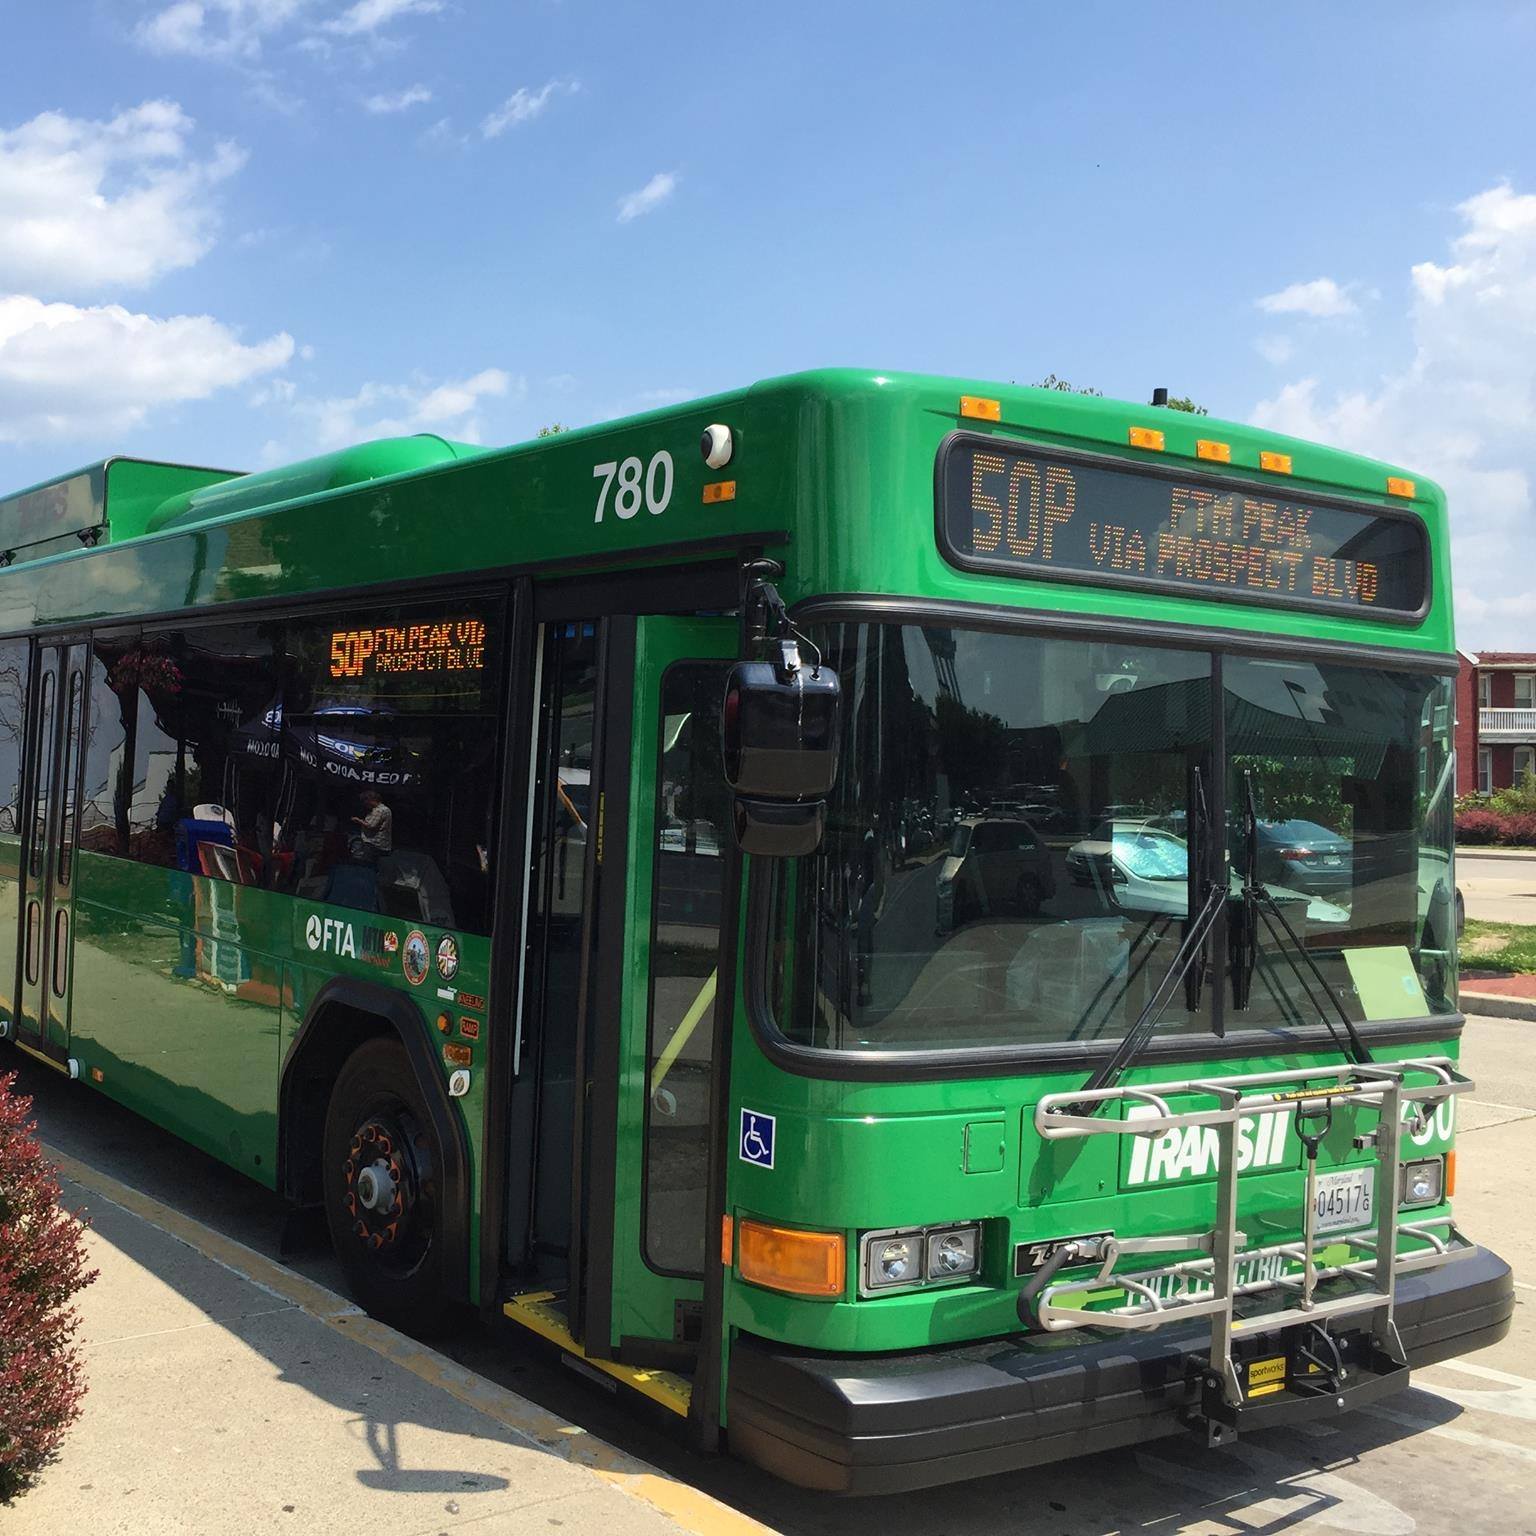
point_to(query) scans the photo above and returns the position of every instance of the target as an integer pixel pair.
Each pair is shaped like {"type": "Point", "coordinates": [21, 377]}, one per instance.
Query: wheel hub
{"type": "Point", "coordinates": [385, 1171]}
{"type": "Point", "coordinates": [376, 1186]}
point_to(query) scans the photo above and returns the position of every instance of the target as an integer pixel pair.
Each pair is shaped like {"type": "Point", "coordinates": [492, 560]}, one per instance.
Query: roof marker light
{"type": "Point", "coordinates": [1217, 453]}
{"type": "Point", "coordinates": [1277, 463]}
{"type": "Point", "coordinates": [1399, 487]}
{"type": "Point", "coordinates": [981, 409]}
{"type": "Point", "coordinates": [1147, 437]}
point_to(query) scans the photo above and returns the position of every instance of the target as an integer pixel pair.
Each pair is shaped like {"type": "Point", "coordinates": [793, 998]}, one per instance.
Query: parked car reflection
{"type": "Point", "coordinates": [993, 864]}
{"type": "Point", "coordinates": [1305, 856]}
{"type": "Point", "coordinates": [1137, 866]}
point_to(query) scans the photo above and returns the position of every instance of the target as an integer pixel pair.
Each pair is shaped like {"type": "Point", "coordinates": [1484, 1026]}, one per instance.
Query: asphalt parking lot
{"type": "Point", "coordinates": [1497, 887]}
{"type": "Point", "coordinates": [1457, 1452]}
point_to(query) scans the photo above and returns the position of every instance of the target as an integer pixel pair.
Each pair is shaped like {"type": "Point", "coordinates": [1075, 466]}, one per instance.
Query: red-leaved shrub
{"type": "Point", "coordinates": [42, 1265]}
{"type": "Point", "coordinates": [1518, 828]}
{"type": "Point", "coordinates": [1478, 827]}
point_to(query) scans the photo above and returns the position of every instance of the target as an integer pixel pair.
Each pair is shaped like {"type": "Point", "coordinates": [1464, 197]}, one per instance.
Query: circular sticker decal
{"type": "Point", "coordinates": [415, 957]}
{"type": "Point", "coordinates": [448, 957]}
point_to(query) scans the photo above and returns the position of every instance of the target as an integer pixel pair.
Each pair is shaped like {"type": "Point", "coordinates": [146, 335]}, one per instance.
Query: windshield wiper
{"type": "Point", "coordinates": [1190, 953]}
{"type": "Point", "coordinates": [1256, 902]}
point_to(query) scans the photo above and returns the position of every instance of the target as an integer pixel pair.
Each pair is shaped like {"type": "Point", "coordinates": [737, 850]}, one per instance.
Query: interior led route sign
{"type": "Point", "coordinates": [1012, 508]}
{"type": "Point", "coordinates": [431, 645]}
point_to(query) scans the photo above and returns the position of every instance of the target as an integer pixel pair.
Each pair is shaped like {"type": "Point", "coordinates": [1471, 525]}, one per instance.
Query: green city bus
{"type": "Point", "coordinates": [909, 921]}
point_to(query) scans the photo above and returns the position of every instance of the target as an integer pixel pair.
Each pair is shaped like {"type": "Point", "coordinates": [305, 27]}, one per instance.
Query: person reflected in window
{"type": "Point", "coordinates": [376, 838]}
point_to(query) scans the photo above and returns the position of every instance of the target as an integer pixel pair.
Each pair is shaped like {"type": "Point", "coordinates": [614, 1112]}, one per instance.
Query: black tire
{"type": "Point", "coordinates": [380, 1144]}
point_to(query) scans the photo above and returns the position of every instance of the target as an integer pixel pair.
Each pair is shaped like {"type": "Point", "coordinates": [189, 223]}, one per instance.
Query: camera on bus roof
{"type": "Point", "coordinates": [717, 446]}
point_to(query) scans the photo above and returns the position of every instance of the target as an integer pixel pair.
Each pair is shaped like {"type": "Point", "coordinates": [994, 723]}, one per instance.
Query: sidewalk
{"type": "Point", "coordinates": [229, 1395]}
{"type": "Point", "coordinates": [1505, 997]}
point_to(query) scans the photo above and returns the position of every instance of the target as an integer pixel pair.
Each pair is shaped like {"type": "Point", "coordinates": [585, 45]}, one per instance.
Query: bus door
{"type": "Point", "coordinates": [610, 1102]}
{"type": "Point", "coordinates": [675, 871]}
{"type": "Point", "coordinates": [45, 938]}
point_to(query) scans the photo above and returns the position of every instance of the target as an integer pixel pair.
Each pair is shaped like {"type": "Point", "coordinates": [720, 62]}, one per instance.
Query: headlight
{"type": "Point", "coordinates": [1421, 1182]}
{"type": "Point", "coordinates": [952, 1254]}
{"type": "Point", "coordinates": [915, 1256]}
{"type": "Point", "coordinates": [895, 1261]}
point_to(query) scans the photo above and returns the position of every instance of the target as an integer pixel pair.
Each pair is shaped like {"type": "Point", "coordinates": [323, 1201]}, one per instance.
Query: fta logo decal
{"type": "Point", "coordinates": [330, 935]}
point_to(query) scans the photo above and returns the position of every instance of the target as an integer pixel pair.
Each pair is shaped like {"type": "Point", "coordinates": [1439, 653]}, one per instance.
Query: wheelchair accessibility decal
{"type": "Point", "coordinates": [756, 1138]}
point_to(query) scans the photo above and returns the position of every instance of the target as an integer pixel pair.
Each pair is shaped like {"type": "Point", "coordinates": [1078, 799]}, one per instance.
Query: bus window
{"type": "Point", "coordinates": [1350, 774]}
{"type": "Point", "coordinates": [198, 795]}
{"type": "Point", "coordinates": [13, 708]}
{"type": "Point", "coordinates": [388, 729]}
{"type": "Point", "coordinates": [1006, 856]}
{"type": "Point", "coordinates": [693, 824]}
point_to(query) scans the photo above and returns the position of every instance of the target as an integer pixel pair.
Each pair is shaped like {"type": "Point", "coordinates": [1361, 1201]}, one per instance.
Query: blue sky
{"type": "Point", "coordinates": [240, 231]}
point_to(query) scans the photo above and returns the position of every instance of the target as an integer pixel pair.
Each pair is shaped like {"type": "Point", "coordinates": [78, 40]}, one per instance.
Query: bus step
{"type": "Point", "coordinates": [543, 1313]}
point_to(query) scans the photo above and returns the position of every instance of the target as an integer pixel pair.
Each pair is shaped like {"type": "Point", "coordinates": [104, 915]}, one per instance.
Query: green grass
{"type": "Point", "coordinates": [1499, 946]}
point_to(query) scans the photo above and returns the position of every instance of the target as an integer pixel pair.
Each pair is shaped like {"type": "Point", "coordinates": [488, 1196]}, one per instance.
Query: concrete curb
{"type": "Point", "coordinates": [1491, 851]}
{"type": "Point", "coordinates": [690, 1507]}
{"type": "Point", "coordinates": [1497, 1005]}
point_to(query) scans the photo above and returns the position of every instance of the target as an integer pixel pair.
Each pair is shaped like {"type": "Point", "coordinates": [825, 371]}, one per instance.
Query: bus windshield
{"type": "Point", "coordinates": [1007, 851]}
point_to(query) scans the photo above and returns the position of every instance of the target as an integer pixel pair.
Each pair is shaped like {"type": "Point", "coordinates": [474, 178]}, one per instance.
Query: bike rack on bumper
{"type": "Point", "coordinates": [1363, 1284]}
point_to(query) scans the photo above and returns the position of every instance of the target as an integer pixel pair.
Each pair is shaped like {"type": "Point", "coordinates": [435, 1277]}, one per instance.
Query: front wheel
{"type": "Point", "coordinates": [383, 1186]}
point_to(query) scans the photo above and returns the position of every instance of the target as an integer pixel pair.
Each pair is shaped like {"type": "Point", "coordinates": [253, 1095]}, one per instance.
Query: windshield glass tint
{"type": "Point", "coordinates": [1352, 789]}
{"type": "Point", "coordinates": [1005, 844]}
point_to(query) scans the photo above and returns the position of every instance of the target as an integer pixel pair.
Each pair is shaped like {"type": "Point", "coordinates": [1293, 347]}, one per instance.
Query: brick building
{"type": "Point", "coordinates": [1495, 719]}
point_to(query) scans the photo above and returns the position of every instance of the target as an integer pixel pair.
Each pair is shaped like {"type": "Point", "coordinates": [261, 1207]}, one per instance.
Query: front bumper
{"type": "Point", "coordinates": [890, 1423]}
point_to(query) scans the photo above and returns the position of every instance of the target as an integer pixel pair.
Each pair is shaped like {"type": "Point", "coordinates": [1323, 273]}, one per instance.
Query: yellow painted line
{"type": "Point", "coordinates": [533, 1311]}
{"type": "Point", "coordinates": [691, 1508]}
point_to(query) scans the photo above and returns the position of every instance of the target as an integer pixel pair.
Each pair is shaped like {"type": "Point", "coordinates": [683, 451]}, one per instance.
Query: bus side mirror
{"type": "Point", "coordinates": [779, 742]}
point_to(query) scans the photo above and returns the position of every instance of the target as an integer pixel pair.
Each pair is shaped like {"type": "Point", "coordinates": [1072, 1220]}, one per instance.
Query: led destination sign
{"type": "Point", "coordinates": [437, 645]}
{"type": "Point", "coordinates": [1008, 507]}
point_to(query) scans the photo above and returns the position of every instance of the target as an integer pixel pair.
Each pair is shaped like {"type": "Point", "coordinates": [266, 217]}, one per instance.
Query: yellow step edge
{"type": "Point", "coordinates": [535, 1312]}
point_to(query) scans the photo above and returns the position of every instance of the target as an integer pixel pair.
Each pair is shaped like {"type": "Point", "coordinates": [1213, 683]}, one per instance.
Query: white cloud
{"type": "Point", "coordinates": [368, 16]}
{"type": "Point", "coordinates": [523, 105]}
{"type": "Point", "coordinates": [67, 371]}
{"type": "Point", "coordinates": [216, 29]}
{"type": "Point", "coordinates": [93, 205]}
{"type": "Point", "coordinates": [453, 409]}
{"type": "Point", "coordinates": [1275, 349]}
{"type": "Point", "coordinates": [398, 101]}
{"type": "Point", "coordinates": [1461, 410]}
{"type": "Point", "coordinates": [1322, 299]}
{"type": "Point", "coordinates": [650, 197]}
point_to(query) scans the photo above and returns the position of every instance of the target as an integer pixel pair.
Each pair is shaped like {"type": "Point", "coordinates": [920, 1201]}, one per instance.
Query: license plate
{"type": "Point", "coordinates": [1345, 1200]}
{"type": "Point", "coordinates": [1330, 859]}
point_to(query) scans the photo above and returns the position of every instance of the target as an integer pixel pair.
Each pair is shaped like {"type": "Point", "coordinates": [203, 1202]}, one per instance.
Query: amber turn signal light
{"type": "Point", "coordinates": [788, 1259]}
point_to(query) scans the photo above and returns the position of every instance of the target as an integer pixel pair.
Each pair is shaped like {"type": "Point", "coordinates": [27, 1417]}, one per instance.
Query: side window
{"type": "Point", "coordinates": [14, 655]}
{"type": "Point", "coordinates": [389, 729]}
{"type": "Point", "coordinates": [692, 825]}
{"type": "Point", "coordinates": [204, 722]}
{"type": "Point", "coordinates": [111, 790]}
